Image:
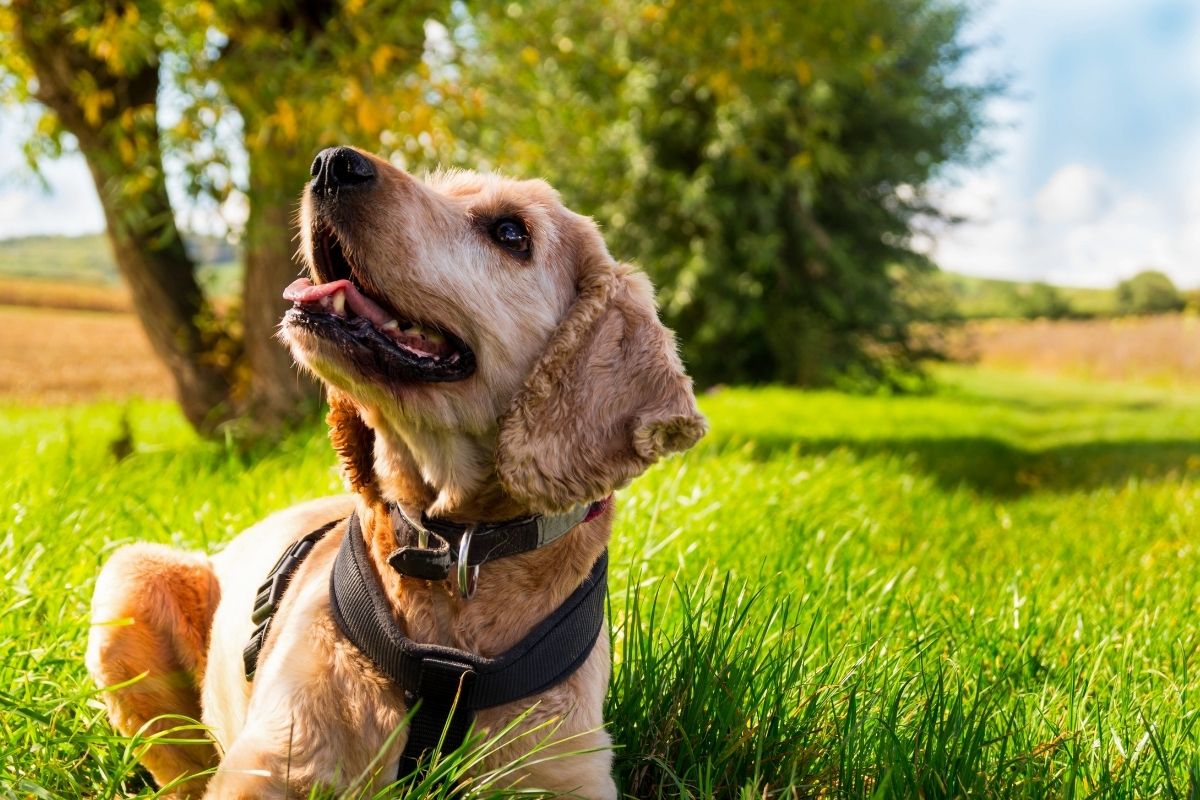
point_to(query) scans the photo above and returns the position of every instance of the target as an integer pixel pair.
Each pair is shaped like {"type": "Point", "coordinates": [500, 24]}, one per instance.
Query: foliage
{"type": "Point", "coordinates": [1040, 300]}
{"type": "Point", "coordinates": [765, 163]}
{"type": "Point", "coordinates": [980, 591]}
{"type": "Point", "coordinates": [1149, 292]}
{"type": "Point", "coordinates": [970, 297]}
{"type": "Point", "coordinates": [292, 79]}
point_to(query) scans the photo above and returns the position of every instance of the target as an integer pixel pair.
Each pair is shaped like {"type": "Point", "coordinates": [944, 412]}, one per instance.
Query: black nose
{"type": "Point", "coordinates": [340, 168]}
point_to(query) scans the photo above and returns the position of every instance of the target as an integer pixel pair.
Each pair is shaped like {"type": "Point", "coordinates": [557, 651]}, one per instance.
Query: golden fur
{"type": "Point", "coordinates": [578, 389]}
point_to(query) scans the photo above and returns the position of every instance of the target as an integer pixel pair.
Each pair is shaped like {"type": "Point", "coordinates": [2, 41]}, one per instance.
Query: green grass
{"type": "Point", "coordinates": [989, 590]}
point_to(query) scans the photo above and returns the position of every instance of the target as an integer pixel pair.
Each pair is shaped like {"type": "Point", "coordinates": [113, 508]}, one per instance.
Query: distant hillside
{"type": "Point", "coordinates": [983, 298]}
{"type": "Point", "coordinates": [88, 259]}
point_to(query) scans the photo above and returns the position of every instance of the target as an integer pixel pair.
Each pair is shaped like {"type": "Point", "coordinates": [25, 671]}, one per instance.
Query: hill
{"type": "Point", "coordinates": [982, 298]}
{"type": "Point", "coordinates": [88, 259]}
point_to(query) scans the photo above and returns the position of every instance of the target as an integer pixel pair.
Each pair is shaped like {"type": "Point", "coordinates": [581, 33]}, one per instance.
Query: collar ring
{"type": "Point", "coordinates": [468, 576]}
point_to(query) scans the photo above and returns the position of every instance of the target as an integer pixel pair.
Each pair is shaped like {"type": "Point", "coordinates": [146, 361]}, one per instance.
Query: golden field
{"type": "Point", "coordinates": [1159, 349]}
{"type": "Point", "coordinates": [53, 355]}
{"type": "Point", "coordinates": [38, 293]}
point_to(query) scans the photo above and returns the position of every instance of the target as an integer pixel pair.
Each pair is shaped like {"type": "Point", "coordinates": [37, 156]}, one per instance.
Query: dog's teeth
{"type": "Point", "coordinates": [390, 325]}
{"type": "Point", "coordinates": [415, 330]}
{"type": "Point", "coordinates": [434, 337]}
{"type": "Point", "coordinates": [339, 303]}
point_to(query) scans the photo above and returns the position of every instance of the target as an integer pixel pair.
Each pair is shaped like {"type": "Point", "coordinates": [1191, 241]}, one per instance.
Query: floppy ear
{"type": "Point", "coordinates": [607, 399]}
{"type": "Point", "coordinates": [354, 442]}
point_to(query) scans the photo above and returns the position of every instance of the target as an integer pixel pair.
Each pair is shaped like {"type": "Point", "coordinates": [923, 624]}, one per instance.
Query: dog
{"type": "Point", "coordinates": [485, 359]}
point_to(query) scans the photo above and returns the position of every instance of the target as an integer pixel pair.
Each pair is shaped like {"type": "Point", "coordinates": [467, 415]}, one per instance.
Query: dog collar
{"type": "Point", "coordinates": [431, 549]}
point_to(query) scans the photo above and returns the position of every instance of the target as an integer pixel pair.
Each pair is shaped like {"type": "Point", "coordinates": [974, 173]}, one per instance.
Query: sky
{"type": "Point", "coordinates": [1096, 174]}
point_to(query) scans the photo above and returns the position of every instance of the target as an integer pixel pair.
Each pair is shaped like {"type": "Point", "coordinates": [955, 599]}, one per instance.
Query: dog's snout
{"type": "Point", "coordinates": [340, 168]}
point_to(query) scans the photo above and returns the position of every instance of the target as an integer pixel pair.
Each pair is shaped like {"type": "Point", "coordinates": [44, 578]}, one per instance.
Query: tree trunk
{"type": "Point", "coordinates": [152, 259]}
{"type": "Point", "coordinates": [277, 392]}
{"type": "Point", "coordinates": [112, 113]}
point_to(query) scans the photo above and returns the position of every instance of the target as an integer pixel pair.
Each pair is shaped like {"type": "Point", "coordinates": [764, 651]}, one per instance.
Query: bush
{"type": "Point", "coordinates": [1042, 301]}
{"type": "Point", "coordinates": [1148, 292]}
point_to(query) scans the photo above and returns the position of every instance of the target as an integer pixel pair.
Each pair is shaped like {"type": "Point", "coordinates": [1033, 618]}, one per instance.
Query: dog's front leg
{"type": "Point", "coordinates": [253, 768]}
{"type": "Point", "coordinates": [237, 783]}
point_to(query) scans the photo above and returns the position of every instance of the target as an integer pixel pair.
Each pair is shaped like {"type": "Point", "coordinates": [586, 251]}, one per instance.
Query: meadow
{"type": "Point", "coordinates": [1159, 349]}
{"type": "Point", "coordinates": [986, 590]}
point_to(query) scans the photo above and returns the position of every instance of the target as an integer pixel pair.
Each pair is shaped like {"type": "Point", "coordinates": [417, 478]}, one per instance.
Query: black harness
{"type": "Point", "coordinates": [445, 685]}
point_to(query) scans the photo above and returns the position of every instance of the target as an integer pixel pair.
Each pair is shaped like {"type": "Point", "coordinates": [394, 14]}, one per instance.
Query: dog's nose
{"type": "Point", "coordinates": [340, 168]}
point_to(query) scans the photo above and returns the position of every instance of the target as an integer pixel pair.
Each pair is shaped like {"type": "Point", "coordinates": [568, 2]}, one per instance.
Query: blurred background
{"type": "Point", "coordinates": [833, 192]}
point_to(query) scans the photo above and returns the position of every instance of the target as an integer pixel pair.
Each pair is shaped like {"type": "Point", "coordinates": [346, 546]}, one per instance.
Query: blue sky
{"type": "Point", "coordinates": [1098, 166]}
{"type": "Point", "coordinates": [1098, 172]}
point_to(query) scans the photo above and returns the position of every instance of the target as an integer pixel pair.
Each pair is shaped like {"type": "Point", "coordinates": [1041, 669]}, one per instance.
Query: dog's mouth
{"type": "Point", "coordinates": [366, 331]}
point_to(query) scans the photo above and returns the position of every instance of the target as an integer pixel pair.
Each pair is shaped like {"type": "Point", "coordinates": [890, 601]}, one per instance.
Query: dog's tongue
{"type": "Point", "coordinates": [303, 291]}
{"type": "Point", "coordinates": [420, 340]}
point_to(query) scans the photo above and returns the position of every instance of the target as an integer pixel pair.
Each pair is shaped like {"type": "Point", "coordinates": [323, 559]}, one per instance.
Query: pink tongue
{"type": "Point", "coordinates": [304, 292]}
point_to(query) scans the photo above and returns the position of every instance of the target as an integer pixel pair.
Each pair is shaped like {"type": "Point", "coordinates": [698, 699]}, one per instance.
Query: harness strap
{"type": "Point", "coordinates": [270, 594]}
{"type": "Point", "coordinates": [450, 684]}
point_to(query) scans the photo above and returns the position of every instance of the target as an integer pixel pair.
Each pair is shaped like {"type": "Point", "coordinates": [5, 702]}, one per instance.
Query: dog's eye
{"type": "Point", "coordinates": [512, 235]}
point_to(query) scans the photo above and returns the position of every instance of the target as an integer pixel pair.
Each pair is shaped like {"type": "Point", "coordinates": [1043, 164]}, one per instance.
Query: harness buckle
{"type": "Point", "coordinates": [266, 599]}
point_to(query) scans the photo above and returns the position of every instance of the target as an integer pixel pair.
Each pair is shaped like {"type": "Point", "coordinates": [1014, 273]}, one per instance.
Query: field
{"type": "Point", "coordinates": [56, 356]}
{"type": "Point", "coordinates": [1163, 349]}
{"type": "Point", "coordinates": [989, 590]}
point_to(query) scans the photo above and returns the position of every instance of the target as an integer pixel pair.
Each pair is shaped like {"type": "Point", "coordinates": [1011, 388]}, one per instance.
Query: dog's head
{"type": "Point", "coordinates": [474, 308]}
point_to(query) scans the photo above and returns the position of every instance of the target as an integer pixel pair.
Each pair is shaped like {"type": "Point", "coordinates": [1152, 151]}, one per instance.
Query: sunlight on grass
{"type": "Point", "coordinates": [986, 590]}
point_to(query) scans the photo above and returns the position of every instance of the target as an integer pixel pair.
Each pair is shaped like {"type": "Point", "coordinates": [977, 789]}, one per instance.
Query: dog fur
{"type": "Point", "coordinates": [577, 390]}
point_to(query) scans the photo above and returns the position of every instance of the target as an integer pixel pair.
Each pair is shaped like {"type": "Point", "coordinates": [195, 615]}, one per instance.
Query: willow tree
{"type": "Point", "coordinates": [766, 162]}
{"type": "Point", "coordinates": [263, 84]}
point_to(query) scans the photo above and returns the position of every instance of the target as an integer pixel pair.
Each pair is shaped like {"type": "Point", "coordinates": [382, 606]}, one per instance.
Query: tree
{"type": "Point", "coordinates": [289, 76]}
{"type": "Point", "coordinates": [96, 68]}
{"type": "Point", "coordinates": [1040, 300]}
{"type": "Point", "coordinates": [301, 76]}
{"type": "Point", "coordinates": [1149, 292]}
{"type": "Point", "coordinates": [765, 162]}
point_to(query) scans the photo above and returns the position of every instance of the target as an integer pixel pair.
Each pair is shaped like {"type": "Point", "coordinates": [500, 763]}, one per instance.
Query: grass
{"type": "Point", "coordinates": [989, 590]}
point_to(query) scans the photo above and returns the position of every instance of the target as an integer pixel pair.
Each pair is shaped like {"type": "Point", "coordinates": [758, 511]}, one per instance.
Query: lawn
{"type": "Point", "coordinates": [988, 590]}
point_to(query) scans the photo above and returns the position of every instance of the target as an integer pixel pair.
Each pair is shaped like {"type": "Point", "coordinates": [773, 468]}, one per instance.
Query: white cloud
{"type": "Point", "coordinates": [1082, 228]}
{"type": "Point", "coordinates": [1075, 193]}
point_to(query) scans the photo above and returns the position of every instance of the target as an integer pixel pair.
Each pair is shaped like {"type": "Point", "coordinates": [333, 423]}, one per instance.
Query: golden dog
{"type": "Point", "coordinates": [485, 358]}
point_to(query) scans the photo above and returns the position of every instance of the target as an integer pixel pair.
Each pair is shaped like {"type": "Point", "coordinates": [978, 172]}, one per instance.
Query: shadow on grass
{"type": "Point", "coordinates": [996, 467]}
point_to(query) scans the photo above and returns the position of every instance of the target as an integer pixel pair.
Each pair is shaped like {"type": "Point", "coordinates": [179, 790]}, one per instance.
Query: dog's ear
{"type": "Point", "coordinates": [354, 442]}
{"type": "Point", "coordinates": [607, 399]}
